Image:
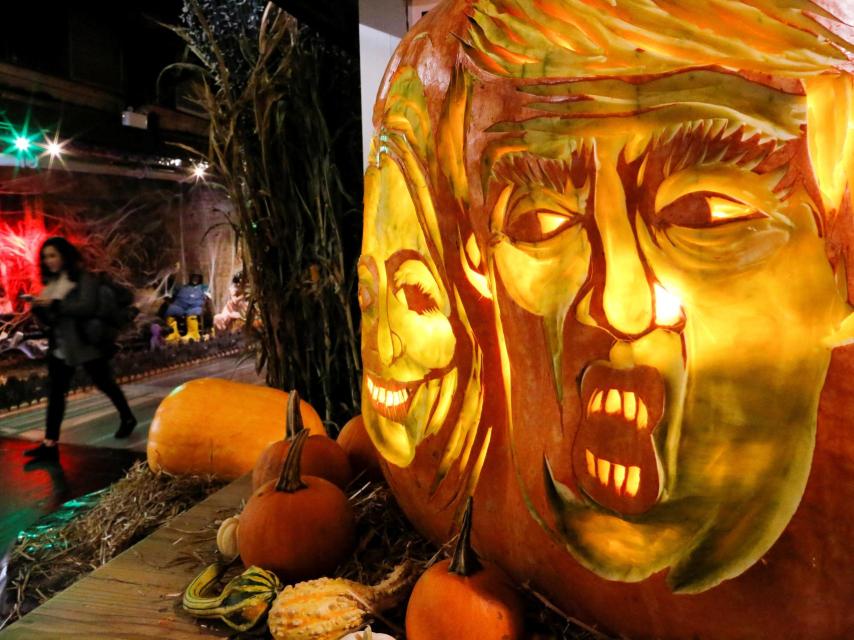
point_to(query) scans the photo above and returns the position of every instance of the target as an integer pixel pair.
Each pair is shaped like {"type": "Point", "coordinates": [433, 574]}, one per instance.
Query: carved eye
{"type": "Point", "coordinates": [418, 300]}
{"type": "Point", "coordinates": [703, 209]}
{"type": "Point", "coordinates": [537, 225]}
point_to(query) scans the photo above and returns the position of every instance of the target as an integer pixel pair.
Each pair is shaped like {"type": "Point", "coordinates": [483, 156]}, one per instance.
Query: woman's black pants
{"type": "Point", "coordinates": [59, 379]}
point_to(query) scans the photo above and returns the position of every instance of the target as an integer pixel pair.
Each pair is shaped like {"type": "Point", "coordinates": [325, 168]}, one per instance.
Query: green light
{"type": "Point", "coordinates": [19, 141]}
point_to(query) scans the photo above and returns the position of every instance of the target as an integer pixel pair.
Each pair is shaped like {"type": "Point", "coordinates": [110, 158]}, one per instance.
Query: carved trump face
{"type": "Point", "coordinates": [662, 294]}
{"type": "Point", "coordinates": [646, 207]}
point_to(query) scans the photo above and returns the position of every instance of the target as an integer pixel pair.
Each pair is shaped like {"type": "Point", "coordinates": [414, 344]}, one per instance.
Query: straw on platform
{"type": "Point", "coordinates": [46, 562]}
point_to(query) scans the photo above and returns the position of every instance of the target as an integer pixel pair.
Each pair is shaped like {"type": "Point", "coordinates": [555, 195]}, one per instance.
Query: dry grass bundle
{"type": "Point", "coordinates": [49, 561]}
{"type": "Point", "coordinates": [273, 149]}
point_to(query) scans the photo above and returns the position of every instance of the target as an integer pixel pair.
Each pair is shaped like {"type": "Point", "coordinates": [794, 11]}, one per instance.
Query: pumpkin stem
{"type": "Point", "coordinates": [464, 561]}
{"type": "Point", "coordinates": [293, 419]}
{"type": "Point", "coordinates": [290, 480]}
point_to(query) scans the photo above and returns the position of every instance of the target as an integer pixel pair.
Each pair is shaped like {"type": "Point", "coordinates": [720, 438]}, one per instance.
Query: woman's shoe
{"type": "Point", "coordinates": [126, 427]}
{"type": "Point", "coordinates": [43, 452]}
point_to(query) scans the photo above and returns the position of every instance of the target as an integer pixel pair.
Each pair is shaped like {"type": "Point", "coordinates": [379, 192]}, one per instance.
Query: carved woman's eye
{"type": "Point", "coordinates": [418, 299]}
{"type": "Point", "coordinates": [703, 209]}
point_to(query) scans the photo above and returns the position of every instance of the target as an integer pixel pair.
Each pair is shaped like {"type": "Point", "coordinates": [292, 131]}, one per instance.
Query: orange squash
{"type": "Point", "coordinates": [218, 427]}
{"type": "Point", "coordinates": [300, 527]}
{"type": "Point", "coordinates": [356, 442]}
{"type": "Point", "coordinates": [464, 598]}
{"type": "Point", "coordinates": [321, 457]}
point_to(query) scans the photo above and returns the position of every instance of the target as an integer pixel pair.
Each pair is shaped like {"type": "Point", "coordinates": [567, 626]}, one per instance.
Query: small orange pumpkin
{"type": "Point", "coordinates": [299, 527]}
{"type": "Point", "coordinates": [464, 598]}
{"type": "Point", "coordinates": [354, 439]}
{"type": "Point", "coordinates": [322, 456]}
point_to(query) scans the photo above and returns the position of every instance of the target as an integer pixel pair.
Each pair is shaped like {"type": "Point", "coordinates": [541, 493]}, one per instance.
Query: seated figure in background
{"type": "Point", "coordinates": [188, 302]}
{"type": "Point", "coordinates": [233, 314]}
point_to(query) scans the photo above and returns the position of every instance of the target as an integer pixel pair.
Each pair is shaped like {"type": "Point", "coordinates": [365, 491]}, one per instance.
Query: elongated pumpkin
{"type": "Point", "coordinates": [218, 427]}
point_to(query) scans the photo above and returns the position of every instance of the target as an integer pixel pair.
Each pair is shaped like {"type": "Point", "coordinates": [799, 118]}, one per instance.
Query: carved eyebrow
{"type": "Point", "coordinates": [710, 141]}
{"type": "Point", "coordinates": [523, 169]}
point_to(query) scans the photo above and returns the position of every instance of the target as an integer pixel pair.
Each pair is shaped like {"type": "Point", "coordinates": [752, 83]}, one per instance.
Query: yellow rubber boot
{"type": "Point", "coordinates": [192, 329]}
{"type": "Point", "coordinates": [174, 336]}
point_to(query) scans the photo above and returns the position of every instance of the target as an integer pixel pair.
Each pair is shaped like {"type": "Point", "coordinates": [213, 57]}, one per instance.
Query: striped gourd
{"type": "Point", "coordinates": [241, 604]}
{"type": "Point", "coordinates": [328, 608]}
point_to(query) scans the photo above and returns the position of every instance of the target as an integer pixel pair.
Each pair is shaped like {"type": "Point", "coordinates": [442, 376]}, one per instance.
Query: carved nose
{"type": "Point", "coordinates": [627, 297]}
{"type": "Point", "coordinates": [389, 344]}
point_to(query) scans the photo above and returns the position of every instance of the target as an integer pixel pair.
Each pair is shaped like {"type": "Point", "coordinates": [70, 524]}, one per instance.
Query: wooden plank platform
{"type": "Point", "coordinates": [136, 596]}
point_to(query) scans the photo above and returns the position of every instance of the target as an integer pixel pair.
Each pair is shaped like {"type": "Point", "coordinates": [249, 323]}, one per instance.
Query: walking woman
{"type": "Point", "coordinates": [70, 298]}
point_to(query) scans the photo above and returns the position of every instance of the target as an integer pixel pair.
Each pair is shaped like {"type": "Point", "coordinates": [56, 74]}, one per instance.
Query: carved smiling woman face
{"type": "Point", "coordinates": [422, 366]}
{"type": "Point", "coordinates": [408, 343]}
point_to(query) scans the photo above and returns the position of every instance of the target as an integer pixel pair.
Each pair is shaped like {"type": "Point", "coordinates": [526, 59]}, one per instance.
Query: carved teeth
{"type": "Point", "coordinates": [595, 403]}
{"type": "Point", "coordinates": [626, 479]}
{"type": "Point", "coordinates": [643, 418]}
{"type": "Point", "coordinates": [604, 471]}
{"type": "Point", "coordinates": [633, 481]}
{"type": "Point", "coordinates": [612, 402]}
{"type": "Point", "coordinates": [630, 406]}
{"type": "Point", "coordinates": [385, 396]}
{"type": "Point", "coordinates": [615, 402]}
{"type": "Point", "coordinates": [619, 477]}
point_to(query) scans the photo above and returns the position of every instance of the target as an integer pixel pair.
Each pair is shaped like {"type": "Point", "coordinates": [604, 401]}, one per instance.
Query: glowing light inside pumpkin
{"type": "Point", "coordinates": [550, 222]}
{"type": "Point", "coordinates": [668, 306]}
{"type": "Point", "coordinates": [723, 209]}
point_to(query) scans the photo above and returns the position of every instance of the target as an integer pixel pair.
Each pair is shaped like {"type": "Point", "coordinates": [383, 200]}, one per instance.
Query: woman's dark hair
{"type": "Point", "coordinates": [72, 261]}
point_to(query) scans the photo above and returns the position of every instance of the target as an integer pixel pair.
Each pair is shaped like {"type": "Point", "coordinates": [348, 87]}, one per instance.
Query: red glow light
{"type": "Point", "coordinates": [19, 253]}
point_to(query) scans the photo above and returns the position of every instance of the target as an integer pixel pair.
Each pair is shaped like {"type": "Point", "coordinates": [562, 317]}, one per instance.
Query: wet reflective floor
{"type": "Point", "coordinates": [31, 489]}
{"type": "Point", "coordinates": [90, 457]}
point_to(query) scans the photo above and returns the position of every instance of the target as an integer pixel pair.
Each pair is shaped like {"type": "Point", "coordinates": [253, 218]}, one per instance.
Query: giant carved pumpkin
{"type": "Point", "coordinates": [604, 282]}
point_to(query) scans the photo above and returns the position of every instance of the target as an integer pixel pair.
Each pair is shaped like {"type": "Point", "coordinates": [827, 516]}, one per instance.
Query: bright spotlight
{"type": "Point", "coordinates": [54, 149]}
{"type": "Point", "coordinates": [22, 143]}
{"type": "Point", "coordinates": [199, 170]}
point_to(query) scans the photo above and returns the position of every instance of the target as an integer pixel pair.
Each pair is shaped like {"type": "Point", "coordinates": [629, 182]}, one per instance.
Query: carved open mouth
{"type": "Point", "coordinates": [613, 453]}
{"type": "Point", "coordinates": [390, 398]}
